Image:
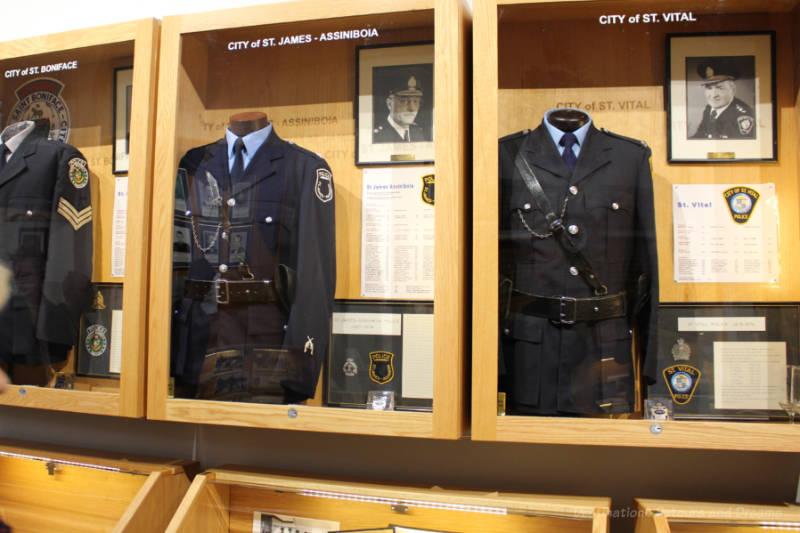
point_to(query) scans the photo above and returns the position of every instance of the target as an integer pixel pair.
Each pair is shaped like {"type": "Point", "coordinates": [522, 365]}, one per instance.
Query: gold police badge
{"type": "Point", "coordinates": [381, 367]}
{"type": "Point", "coordinates": [427, 188]}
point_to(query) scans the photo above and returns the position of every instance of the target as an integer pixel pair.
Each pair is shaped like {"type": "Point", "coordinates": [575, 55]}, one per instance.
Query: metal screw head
{"type": "Point", "coordinates": [656, 428]}
{"type": "Point", "coordinates": [22, 392]}
{"type": "Point", "coordinates": [292, 412]}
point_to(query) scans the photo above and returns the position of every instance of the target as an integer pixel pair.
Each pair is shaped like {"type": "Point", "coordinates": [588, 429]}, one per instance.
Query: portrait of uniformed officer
{"type": "Point", "coordinates": [727, 108]}
{"type": "Point", "coordinates": [402, 105]}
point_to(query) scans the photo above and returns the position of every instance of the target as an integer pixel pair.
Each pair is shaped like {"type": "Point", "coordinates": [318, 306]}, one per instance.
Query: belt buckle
{"type": "Point", "coordinates": [564, 316]}
{"type": "Point", "coordinates": [220, 288]}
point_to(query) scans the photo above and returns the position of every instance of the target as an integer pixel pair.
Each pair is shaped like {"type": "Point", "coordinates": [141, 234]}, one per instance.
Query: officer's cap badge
{"type": "Point", "coordinates": [323, 188]}
{"type": "Point", "coordinates": [427, 189]}
{"type": "Point", "coordinates": [681, 381]}
{"type": "Point", "coordinates": [381, 367]}
{"type": "Point", "coordinates": [741, 202]}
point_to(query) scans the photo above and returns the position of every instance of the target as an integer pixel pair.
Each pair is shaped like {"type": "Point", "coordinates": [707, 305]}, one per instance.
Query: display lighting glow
{"type": "Point", "coordinates": [60, 461]}
{"type": "Point", "coordinates": [408, 503]}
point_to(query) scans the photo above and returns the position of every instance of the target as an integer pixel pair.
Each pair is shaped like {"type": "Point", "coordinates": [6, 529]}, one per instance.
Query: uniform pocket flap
{"type": "Point", "coordinates": [613, 201]}
{"type": "Point", "coordinates": [527, 328]}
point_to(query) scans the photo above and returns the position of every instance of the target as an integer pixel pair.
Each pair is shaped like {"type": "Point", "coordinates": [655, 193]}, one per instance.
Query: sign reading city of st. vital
{"type": "Point", "coordinates": [725, 233]}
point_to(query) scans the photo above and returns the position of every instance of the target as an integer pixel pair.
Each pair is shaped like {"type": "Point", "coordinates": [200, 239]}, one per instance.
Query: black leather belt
{"type": "Point", "coordinates": [568, 310]}
{"type": "Point", "coordinates": [232, 292]}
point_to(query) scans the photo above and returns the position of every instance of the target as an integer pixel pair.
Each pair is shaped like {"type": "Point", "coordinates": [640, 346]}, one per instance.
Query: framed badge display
{"type": "Point", "coordinates": [82, 104]}
{"type": "Point", "coordinates": [381, 346]}
{"type": "Point", "coordinates": [99, 349]}
{"type": "Point", "coordinates": [721, 97]}
{"type": "Point", "coordinates": [394, 91]}
{"type": "Point", "coordinates": [726, 361]}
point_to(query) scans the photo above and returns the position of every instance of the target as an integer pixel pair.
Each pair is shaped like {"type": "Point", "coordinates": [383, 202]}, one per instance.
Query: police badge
{"type": "Point", "coordinates": [323, 188]}
{"type": "Point", "coordinates": [381, 367]}
{"type": "Point", "coordinates": [741, 202]}
{"type": "Point", "coordinates": [427, 188]}
{"type": "Point", "coordinates": [96, 340]}
{"type": "Point", "coordinates": [681, 351]}
{"type": "Point", "coordinates": [681, 381]}
{"type": "Point", "coordinates": [78, 172]}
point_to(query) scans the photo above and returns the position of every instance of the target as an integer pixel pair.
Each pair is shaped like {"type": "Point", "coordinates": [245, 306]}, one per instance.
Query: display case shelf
{"type": "Point", "coordinates": [225, 500]}
{"type": "Point", "coordinates": [49, 488]}
{"type": "Point", "coordinates": [667, 516]}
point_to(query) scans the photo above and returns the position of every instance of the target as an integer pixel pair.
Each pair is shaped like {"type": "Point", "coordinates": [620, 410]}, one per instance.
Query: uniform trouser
{"type": "Point", "coordinates": [231, 351]}
{"type": "Point", "coordinates": [582, 368]}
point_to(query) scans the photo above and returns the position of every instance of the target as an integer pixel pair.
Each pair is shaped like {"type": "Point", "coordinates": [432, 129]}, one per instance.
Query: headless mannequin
{"type": "Point", "coordinates": [243, 123]}
{"type": "Point", "coordinates": [567, 119]}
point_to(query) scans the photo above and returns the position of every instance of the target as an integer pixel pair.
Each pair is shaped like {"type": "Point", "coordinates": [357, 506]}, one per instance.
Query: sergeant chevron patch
{"type": "Point", "coordinates": [76, 218]}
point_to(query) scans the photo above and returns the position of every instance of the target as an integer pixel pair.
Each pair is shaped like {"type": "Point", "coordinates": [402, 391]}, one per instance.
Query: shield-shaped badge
{"type": "Point", "coordinates": [681, 381]}
{"type": "Point", "coordinates": [323, 188]}
{"type": "Point", "coordinates": [381, 367]}
{"type": "Point", "coordinates": [741, 202]}
{"type": "Point", "coordinates": [427, 189]}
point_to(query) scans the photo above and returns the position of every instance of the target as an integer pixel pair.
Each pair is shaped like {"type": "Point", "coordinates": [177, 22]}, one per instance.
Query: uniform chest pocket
{"type": "Point", "coordinates": [612, 216]}
{"type": "Point", "coordinates": [28, 209]}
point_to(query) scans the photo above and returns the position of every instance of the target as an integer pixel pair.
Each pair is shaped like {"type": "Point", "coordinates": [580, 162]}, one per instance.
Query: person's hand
{"type": "Point", "coordinates": [4, 381]}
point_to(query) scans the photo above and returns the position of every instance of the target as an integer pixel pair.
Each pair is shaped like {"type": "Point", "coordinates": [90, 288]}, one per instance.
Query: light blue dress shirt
{"type": "Point", "coordinates": [556, 133]}
{"type": "Point", "coordinates": [252, 142]}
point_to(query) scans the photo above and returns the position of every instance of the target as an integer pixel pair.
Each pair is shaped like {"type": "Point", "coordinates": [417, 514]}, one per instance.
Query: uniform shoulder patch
{"type": "Point", "coordinates": [638, 142]}
{"type": "Point", "coordinates": [78, 172]}
{"type": "Point", "coordinates": [323, 187]}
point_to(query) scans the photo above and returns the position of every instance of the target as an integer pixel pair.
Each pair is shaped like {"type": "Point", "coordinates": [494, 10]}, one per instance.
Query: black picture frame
{"type": "Point", "coordinates": [120, 145]}
{"type": "Point", "coordinates": [358, 360]}
{"type": "Point", "coordinates": [687, 336]}
{"type": "Point", "coordinates": [733, 72]}
{"type": "Point", "coordinates": [382, 70]}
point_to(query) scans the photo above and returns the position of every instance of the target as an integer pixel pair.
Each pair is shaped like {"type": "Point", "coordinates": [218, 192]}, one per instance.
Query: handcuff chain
{"type": "Point", "coordinates": [540, 235]}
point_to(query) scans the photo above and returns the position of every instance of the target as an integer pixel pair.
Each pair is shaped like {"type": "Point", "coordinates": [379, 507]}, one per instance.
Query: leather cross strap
{"type": "Point", "coordinates": [556, 226]}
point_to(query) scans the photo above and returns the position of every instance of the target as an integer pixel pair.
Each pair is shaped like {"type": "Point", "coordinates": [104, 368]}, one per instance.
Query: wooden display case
{"type": "Point", "coordinates": [50, 488]}
{"type": "Point", "coordinates": [665, 516]}
{"type": "Point", "coordinates": [521, 70]}
{"type": "Point", "coordinates": [307, 90]}
{"type": "Point", "coordinates": [225, 500]}
{"type": "Point", "coordinates": [87, 62]}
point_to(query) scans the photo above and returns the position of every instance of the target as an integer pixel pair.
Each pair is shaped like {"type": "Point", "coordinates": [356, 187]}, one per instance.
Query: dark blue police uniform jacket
{"type": "Point", "coordinates": [281, 212]}
{"type": "Point", "coordinates": [46, 240]}
{"type": "Point", "coordinates": [586, 367]}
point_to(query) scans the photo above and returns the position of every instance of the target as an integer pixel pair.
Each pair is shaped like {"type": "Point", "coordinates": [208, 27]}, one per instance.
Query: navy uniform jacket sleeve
{"type": "Point", "coordinates": [646, 261]}
{"type": "Point", "coordinates": [309, 325]}
{"type": "Point", "coordinates": [68, 271]}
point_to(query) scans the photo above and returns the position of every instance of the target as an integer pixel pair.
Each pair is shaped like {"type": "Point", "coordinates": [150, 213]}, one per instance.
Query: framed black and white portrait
{"type": "Point", "coordinates": [394, 104]}
{"type": "Point", "coordinates": [123, 87]}
{"type": "Point", "coordinates": [721, 97]}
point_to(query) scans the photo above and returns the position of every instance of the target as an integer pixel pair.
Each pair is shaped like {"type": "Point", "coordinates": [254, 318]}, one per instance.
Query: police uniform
{"type": "Point", "coordinates": [566, 347]}
{"type": "Point", "coordinates": [260, 275]}
{"type": "Point", "coordinates": [737, 120]}
{"type": "Point", "coordinates": [46, 240]}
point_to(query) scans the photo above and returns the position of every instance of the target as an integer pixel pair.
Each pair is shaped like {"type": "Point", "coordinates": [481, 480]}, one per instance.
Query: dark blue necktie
{"type": "Point", "coordinates": [569, 156]}
{"type": "Point", "coordinates": [3, 151]}
{"type": "Point", "coordinates": [238, 159]}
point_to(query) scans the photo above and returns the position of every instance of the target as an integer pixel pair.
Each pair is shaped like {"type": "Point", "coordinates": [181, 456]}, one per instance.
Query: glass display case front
{"type": "Point", "coordinates": [75, 157]}
{"type": "Point", "coordinates": [302, 151]}
{"type": "Point", "coordinates": [645, 208]}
